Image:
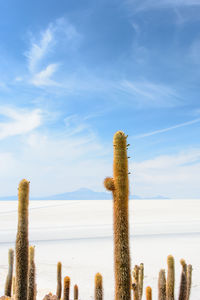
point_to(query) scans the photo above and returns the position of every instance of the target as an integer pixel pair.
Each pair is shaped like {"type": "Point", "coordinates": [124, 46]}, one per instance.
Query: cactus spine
{"type": "Point", "coordinates": [59, 280]}
{"type": "Point", "coordinates": [75, 292]}
{"type": "Point", "coordinates": [170, 278]}
{"type": "Point", "coordinates": [148, 293]}
{"type": "Point", "coordinates": [22, 242]}
{"type": "Point", "coordinates": [8, 284]}
{"type": "Point", "coordinates": [31, 275]}
{"type": "Point", "coordinates": [162, 285]}
{"type": "Point", "coordinates": [120, 190]}
{"type": "Point", "coordinates": [66, 288]}
{"type": "Point", "coordinates": [98, 293]}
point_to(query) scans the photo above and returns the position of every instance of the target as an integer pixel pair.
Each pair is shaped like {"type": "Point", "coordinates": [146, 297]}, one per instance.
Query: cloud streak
{"type": "Point", "coordinates": [167, 129]}
{"type": "Point", "coordinates": [150, 94]}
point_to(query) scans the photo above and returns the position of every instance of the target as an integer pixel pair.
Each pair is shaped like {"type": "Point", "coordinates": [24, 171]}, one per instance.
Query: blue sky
{"type": "Point", "coordinates": [72, 73]}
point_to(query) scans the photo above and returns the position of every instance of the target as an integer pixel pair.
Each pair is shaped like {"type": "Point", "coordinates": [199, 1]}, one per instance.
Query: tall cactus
{"type": "Point", "coordinates": [22, 243]}
{"type": "Point", "coordinates": [170, 278]}
{"type": "Point", "coordinates": [59, 280]}
{"type": "Point", "coordinates": [98, 291]}
{"type": "Point", "coordinates": [31, 275]}
{"type": "Point", "coordinates": [162, 285]}
{"type": "Point", "coordinates": [66, 288]}
{"type": "Point", "coordinates": [8, 284]}
{"type": "Point", "coordinates": [189, 280]}
{"type": "Point", "coordinates": [120, 189]}
{"type": "Point", "coordinates": [183, 283]}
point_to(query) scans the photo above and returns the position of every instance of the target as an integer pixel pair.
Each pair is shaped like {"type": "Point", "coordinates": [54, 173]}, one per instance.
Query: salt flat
{"type": "Point", "coordinates": [79, 234]}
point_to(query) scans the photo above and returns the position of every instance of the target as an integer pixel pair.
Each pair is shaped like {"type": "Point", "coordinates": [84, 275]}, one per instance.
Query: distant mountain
{"type": "Point", "coordinates": [80, 194]}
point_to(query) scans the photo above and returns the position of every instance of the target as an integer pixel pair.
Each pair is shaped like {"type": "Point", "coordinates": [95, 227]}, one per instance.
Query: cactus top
{"type": "Point", "coordinates": [67, 280]}
{"type": "Point", "coordinates": [170, 260]}
{"type": "Point", "coordinates": [98, 279]}
{"type": "Point", "coordinates": [119, 138]}
{"type": "Point", "coordinates": [23, 194]}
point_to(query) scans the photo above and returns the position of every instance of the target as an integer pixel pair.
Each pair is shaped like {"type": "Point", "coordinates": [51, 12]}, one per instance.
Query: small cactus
{"type": "Point", "coordinates": [31, 275]}
{"type": "Point", "coordinates": [66, 288]}
{"type": "Point", "coordinates": [148, 293]}
{"type": "Point", "coordinates": [75, 292]}
{"type": "Point", "coordinates": [162, 285]}
{"type": "Point", "coordinates": [170, 278]}
{"type": "Point", "coordinates": [22, 244]}
{"type": "Point", "coordinates": [98, 292]}
{"type": "Point", "coordinates": [120, 189]}
{"type": "Point", "coordinates": [59, 280]}
{"type": "Point", "coordinates": [8, 284]}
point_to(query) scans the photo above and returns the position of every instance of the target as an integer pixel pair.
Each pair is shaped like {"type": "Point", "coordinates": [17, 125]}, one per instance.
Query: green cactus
{"type": "Point", "coordinates": [75, 292]}
{"type": "Point", "coordinates": [170, 278]}
{"type": "Point", "coordinates": [183, 283]}
{"type": "Point", "coordinates": [31, 274]}
{"type": "Point", "coordinates": [189, 280]}
{"type": "Point", "coordinates": [120, 189]}
{"type": "Point", "coordinates": [140, 280]}
{"type": "Point", "coordinates": [66, 288]}
{"type": "Point", "coordinates": [22, 244]}
{"type": "Point", "coordinates": [162, 285]}
{"type": "Point", "coordinates": [59, 280]}
{"type": "Point", "coordinates": [8, 284]}
{"type": "Point", "coordinates": [98, 291]}
{"type": "Point", "coordinates": [136, 283]}
{"type": "Point", "coordinates": [148, 293]}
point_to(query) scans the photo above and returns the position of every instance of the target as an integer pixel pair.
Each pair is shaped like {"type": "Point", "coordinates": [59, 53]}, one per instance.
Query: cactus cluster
{"type": "Point", "coordinates": [22, 286]}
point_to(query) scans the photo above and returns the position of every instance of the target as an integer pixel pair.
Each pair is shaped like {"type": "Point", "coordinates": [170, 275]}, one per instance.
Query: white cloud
{"type": "Point", "coordinates": [167, 129]}
{"type": "Point", "coordinates": [18, 121]}
{"type": "Point", "coordinates": [43, 78]}
{"type": "Point", "coordinates": [40, 49]}
{"type": "Point", "coordinates": [150, 94]}
{"type": "Point", "coordinates": [169, 175]}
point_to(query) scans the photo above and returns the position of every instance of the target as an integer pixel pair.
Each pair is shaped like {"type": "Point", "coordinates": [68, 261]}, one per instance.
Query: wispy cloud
{"type": "Point", "coordinates": [169, 175]}
{"type": "Point", "coordinates": [167, 129]}
{"type": "Point", "coordinates": [43, 78]}
{"type": "Point", "coordinates": [150, 94]}
{"type": "Point", "coordinates": [39, 49]}
{"type": "Point", "coordinates": [18, 122]}
{"type": "Point", "coordinates": [42, 50]}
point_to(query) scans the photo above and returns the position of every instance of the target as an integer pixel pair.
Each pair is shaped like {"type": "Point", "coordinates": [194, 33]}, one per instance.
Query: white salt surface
{"type": "Point", "coordinates": [79, 234]}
